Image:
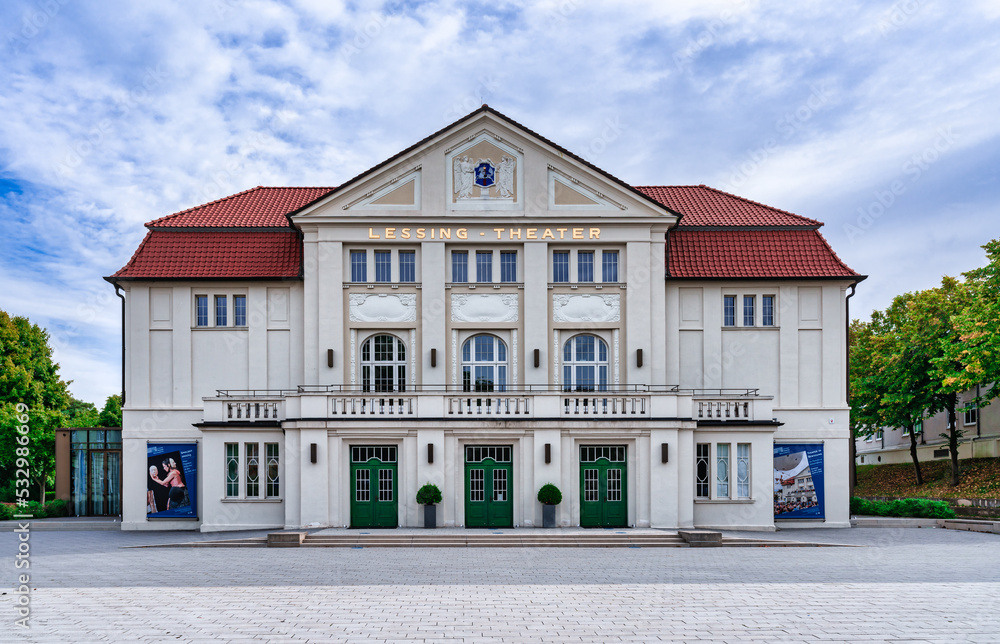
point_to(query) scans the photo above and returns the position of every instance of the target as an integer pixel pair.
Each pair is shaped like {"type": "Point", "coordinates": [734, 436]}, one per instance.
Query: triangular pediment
{"type": "Point", "coordinates": [484, 165]}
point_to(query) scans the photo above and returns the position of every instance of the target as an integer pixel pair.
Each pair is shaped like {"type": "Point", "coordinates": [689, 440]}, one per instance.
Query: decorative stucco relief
{"type": "Point", "coordinates": [484, 307]}
{"type": "Point", "coordinates": [586, 308]}
{"type": "Point", "coordinates": [383, 307]}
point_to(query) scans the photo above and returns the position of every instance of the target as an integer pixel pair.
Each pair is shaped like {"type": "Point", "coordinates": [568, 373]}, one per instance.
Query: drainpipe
{"type": "Point", "coordinates": [979, 428]}
{"type": "Point", "coordinates": [852, 450]}
{"type": "Point", "coordinates": [118, 292]}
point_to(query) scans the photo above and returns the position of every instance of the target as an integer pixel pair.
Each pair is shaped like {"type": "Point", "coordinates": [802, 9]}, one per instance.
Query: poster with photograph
{"type": "Point", "coordinates": [171, 479]}
{"type": "Point", "coordinates": [798, 482]}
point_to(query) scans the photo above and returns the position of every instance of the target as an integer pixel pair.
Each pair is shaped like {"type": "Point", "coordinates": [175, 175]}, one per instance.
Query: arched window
{"type": "Point", "coordinates": [585, 364]}
{"type": "Point", "coordinates": [484, 364]}
{"type": "Point", "coordinates": [383, 364]}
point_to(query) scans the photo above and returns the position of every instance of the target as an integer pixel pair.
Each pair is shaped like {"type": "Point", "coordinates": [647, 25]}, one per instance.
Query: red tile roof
{"type": "Point", "coordinates": [704, 206]}
{"type": "Point", "coordinates": [258, 207]}
{"type": "Point", "coordinates": [216, 255]}
{"type": "Point", "coordinates": [742, 253]}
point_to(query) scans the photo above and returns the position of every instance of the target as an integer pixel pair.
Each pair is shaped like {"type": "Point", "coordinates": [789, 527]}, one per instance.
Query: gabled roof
{"type": "Point", "coordinates": [258, 207]}
{"type": "Point", "coordinates": [486, 109]}
{"type": "Point", "coordinates": [704, 206]}
{"type": "Point", "coordinates": [747, 254]}
{"type": "Point", "coordinates": [218, 255]}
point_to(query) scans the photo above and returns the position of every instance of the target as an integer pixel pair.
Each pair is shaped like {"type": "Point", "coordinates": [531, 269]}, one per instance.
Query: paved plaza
{"type": "Point", "coordinates": [926, 585]}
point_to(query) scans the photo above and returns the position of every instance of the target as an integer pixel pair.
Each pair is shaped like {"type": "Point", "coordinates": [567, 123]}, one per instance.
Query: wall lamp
{"type": "Point", "coordinates": [434, 358]}
{"type": "Point", "coordinates": [638, 357]}
{"type": "Point", "coordinates": [329, 358]}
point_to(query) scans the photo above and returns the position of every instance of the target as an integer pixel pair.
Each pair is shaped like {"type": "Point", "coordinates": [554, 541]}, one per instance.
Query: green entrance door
{"type": "Point", "coordinates": [603, 502]}
{"type": "Point", "coordinates": [489, 487]}
{"type": "Point", "coordinates": [373, 487]}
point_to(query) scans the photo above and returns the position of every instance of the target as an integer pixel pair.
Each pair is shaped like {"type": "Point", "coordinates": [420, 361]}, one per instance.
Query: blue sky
{"type": "Point", "coordinates": [878, 118]}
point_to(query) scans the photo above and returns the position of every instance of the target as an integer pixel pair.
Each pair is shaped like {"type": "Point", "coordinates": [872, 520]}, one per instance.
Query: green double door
{"type": "Point", "coordinates": [603, 475]}
{"type": "Point", "coordinates": [489, 490]}
{"type": "Point", "coordinates": [374, 494]}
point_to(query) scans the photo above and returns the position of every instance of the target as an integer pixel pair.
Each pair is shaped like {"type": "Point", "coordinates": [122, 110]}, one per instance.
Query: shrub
{"type": "Point", "coordinates": [57, 508]}
{"type": "Point", "coordinates": [429, 494]}
{"type": "Point", "coordinates": [917, 508]}
{"type": "Point", "coordinates": [549, 495]}
{"type": "Point", "coordinates": [6, 511]}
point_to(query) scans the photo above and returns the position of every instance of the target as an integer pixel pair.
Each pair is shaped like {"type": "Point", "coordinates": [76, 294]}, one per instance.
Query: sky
{"type": "Point", "coordinates": [878, 118]}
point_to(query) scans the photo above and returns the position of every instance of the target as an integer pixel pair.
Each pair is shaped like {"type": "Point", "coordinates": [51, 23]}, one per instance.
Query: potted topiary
{"type": "Point", "coordinates": [427, 496]}
{"type": "Point", "coordinates": [549, 496]}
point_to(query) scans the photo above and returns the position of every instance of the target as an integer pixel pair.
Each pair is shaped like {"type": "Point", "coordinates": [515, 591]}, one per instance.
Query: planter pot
{"type": "Point", "coordinates": [548, 516]}
{"type": "Point", "coordinates": [430, 516]}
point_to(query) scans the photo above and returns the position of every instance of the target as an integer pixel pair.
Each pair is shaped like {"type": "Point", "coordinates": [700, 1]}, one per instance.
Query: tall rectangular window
{"type": "Point", "coordinates": [560, 266]}
{"type": "Point", "coordinates": [971, 416]}
{"type": "Point", "coordinates": [749, 304]}
{"type": "Point", "coordinates": [201, 310]}
{"type": "Point", "coordinates": [251, 468]}
{"type": "Point", "coordinates": [220, 310]}
{"type": "Point", "coordinates": [702, 468]}
{"type": "Point", "coordinates": [585, 266]}
{"type": "Point", "coordinates": [743, 470]}
{"type": "Point", "coordinates": [272, 484]}
{"type": "Point", "coordinates": [459, 266]}
{"type": "Point", "coordinates": [407, 266]}
{"type": "Point", "coordinates": [767, 310]}
{"type": "Point", "coordinates": [609, 266]}
{"type": "Point", "coordinates": [484, 266]}
{"type": "Point", "coordinates": [359, 266]}
{"type": "Point", "coordinates": [240, 310]}
{"type": "Point", "coordinates": [232, 469]}
{"type": "Point", "coordinates": [729, 310]}
{"type": "Point", "coordinates": [383, 266]}
{"type": "Point", "coordinates": [722, 470]}
{"type": "Point", "coordinates": [508, 266]}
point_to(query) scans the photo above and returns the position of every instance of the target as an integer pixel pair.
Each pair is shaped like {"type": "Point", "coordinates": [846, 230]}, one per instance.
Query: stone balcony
{"type": "Point", "coordinates": [637, 402]}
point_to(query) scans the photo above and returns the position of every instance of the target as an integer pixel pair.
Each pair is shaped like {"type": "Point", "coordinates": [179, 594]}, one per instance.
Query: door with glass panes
{"type": "Point", "coordinates": [374, 495]}
{"type": "Point", "coordinates": [603, 499]}
{"type": "Point", "coordinates": [489, 498]}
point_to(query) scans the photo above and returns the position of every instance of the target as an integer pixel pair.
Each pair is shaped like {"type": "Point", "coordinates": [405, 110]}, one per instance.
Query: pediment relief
{"type": "Point", "coordinates": [484, 173]}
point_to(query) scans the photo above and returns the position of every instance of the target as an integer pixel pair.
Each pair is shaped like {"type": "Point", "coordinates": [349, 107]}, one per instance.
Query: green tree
{"type": "Point", "coordinates": [29, 377]}
{"type": "Point", "coordinates": [975, 358]}
{"type": "Point", "coordinates": [111, 415]}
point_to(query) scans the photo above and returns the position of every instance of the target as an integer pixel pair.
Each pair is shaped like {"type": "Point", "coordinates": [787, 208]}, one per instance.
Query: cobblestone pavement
{"type": "Point", "coordinates": [905, 585]}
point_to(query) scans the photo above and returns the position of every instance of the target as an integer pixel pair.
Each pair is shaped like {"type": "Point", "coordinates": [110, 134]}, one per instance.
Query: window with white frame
{"type": "Point", "coordinates": [560, 266]}
{"type": "Point", "coordinates": [585, 266]}
{"type": "Point", "coordinates": [508, 266]}
{"type": "Point", "coordinates": [407, 266]}
{"type": "Point", "coordinates": [970, 415]}
{"type": "Point", "coordinates": [201, 310]}
{"type": "Point", "coordinates": [359, 266]}
{"type": "Point", "coordinates": [459, 266]}
{"type": "Point", "coordinates": [484, 266]}
{"type": "Point", "coordinates": [383, 266]}
{"type": "Point", "coordinates": [251, 469]}
{"type": "Point", "coordinates": [743, 470]}
{"type": "Point", "coordinates": [239, 310]}
{"type": "Point", "coordinates": [722, 470]}
{"type": "Point", "coordinates": [702, 470]}
{"type": "Point", "coordinates": [383, 364]}
{"type": "Point", "coordinates": [484, 363]}
{"type": "Point", "coordinates": [581, 266]}
{"type": "Point", "coordinates": [219, 310]}
{"type": "Point", "coordinates": [585, 364]}
{"type": "Point", "coordinates": [749, 310]}
{"type": "Point", "coordinates": [767, 310]}
{"type": "Point", "coordinates": [729, 310]}
{"type": "Point", "coordinates": [609, 266]}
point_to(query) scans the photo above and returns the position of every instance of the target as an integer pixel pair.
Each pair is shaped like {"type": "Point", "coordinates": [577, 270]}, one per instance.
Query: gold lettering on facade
{"type": "Point", "coordinates": [372, 235]}
{"type": "Point", "coordinates": [462, 233]}
{"type": "Point", "coordinates": [548, 234]}
{"type": "Point", "coordinates": [502, 233]}
{"type": "Point", "coordinates": [532, 233]}
{"type": "Point", "coordinates": [421, 233]}
{"type": "Point", "coordinates": [404, 233]}
{"type": "Point", "coordinates": [499, 232]}
{"type": "Point", "coordinates": [595, 233]}
{"type": "Point", "coordinates": [444, 233]}
{"type": "Point", "coordinates": [562, 232]}
{"type": "Point", "coordinates": [578, 233]}
{"type": "Point", "coordinates": [513, 233]}
{"type": "Point", "coordinates": [390, 233]}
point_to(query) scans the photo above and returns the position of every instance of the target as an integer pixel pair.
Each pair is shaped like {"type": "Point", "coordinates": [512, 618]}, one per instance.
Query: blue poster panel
{"type": "Point", "coordinates": [171, 480]}
{"type": "Point", "coordinates": [798, 481]}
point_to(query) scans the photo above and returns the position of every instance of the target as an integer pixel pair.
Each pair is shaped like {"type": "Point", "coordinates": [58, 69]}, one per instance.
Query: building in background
{"type": "Point", "coordinates": [487, 312]}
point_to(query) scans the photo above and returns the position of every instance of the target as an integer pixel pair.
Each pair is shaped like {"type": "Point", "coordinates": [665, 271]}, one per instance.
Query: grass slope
{"type": "Point", "coordinates": [980, 480]}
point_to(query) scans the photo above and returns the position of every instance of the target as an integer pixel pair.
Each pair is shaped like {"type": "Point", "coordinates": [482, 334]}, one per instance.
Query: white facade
{"type": "Point", "coordinates": [193, 383]}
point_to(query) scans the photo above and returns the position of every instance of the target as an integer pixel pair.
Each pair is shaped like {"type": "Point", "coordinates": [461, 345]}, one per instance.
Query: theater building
{"type": "Point", "coordinates": [487, 312]}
